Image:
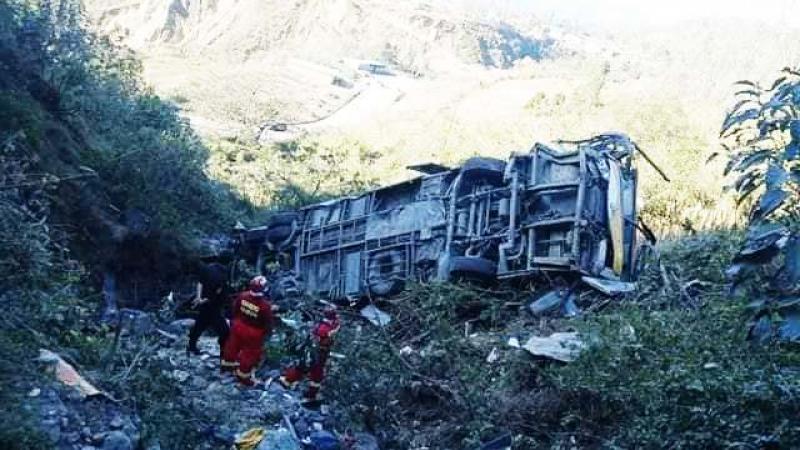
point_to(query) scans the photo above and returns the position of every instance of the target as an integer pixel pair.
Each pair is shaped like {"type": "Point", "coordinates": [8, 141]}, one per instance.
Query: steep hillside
{"type": "Point", "coordinates": [417, 35]}
{"type": "Point", "coordinates": [234, 64]}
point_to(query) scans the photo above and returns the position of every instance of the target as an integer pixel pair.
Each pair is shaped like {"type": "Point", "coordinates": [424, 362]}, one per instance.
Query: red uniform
{"type": "Point", "coordinates": [314, 365]}
{"type": "Point", "coordinates": [252, 322]}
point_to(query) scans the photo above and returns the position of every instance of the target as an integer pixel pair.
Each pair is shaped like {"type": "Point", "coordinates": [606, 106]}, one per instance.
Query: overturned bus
{"type": "Point", "coordinates": [568, 209]}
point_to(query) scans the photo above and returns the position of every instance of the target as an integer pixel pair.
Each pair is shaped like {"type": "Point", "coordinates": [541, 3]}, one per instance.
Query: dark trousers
{"type": "Point", "coordinates": [209, 318]}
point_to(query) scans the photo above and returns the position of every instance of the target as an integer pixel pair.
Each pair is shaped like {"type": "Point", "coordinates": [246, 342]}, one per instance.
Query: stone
{"type": "Point", "coordinates": [117, 440]}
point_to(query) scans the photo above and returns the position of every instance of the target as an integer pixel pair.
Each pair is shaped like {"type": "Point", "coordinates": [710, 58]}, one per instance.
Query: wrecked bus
{"type": "Point", "coordinates": [568, 208]}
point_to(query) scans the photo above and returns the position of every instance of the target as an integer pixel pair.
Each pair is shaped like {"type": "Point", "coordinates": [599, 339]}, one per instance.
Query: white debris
{"type": "Point", "coordinates": [34, 392]}
{"type": "Point", "coordinates": [407, 350]}
{"type": "Point", "coordinates": [513, 342]}
{"type": "Point", "coordinates": [564, 347]}
{"type": "Point", "coordinates": [494, 355]}
{"type": "Point", "coordinates": [609, 287]}
{"type": "Point", "coordinates": [376, 316]}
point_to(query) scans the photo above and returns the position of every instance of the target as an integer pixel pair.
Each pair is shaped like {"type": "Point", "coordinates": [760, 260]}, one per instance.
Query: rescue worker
{"type": "Point", "coordinates": [251, 324]}
{"type": "Point", "coordinates": [211, 295]}
{"type": "Point", "coordinates": [317, 349]}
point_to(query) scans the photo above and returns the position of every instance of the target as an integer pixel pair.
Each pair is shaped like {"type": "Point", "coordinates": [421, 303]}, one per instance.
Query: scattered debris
{"type": "Point", "coordinates": [494, 355]}
{"type": "Point", "coordinates": [565, 347]}
{"type": "Point", "coordinates": [514, 342]}
{"type": "Point", "coordinates": [34, 392]}
{"type": "Point", "coordinates": [609, 287]}
{"type": "Point", "coordinates": [376, 316]}
{"type": "Point", "coordinates": [407, 350]}
{"type": "Point", "coordinates": [546, 303]}
{"type": "Point", "coordinates": [67, 374]}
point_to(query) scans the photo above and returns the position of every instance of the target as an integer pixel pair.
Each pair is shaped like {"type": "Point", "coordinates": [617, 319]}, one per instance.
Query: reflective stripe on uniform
{"type": "Point", "coordinates": [224, 363]}
{"type": "Point", "coordinates": [241, 374]}
{"type": "Point", "coordinates": [314, 384]}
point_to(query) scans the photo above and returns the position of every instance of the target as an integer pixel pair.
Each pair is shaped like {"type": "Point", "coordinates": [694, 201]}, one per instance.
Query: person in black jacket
{"type": "Point", "coordinates": [212, 295]}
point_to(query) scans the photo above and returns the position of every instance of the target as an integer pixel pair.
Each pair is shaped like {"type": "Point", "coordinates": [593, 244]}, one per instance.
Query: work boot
{"type": "Point", "coordinates": [192, 349]}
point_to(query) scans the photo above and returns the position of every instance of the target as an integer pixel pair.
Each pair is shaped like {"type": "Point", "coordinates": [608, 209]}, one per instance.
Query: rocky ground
{"type": "Point", "coordinates": [224, 409]}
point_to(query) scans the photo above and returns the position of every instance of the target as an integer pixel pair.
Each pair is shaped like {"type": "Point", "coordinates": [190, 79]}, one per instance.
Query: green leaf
{"type": "Point", "coordinates": [792, 151]}
{"type": "Point", "coordinates": [794, 130]}
{"type": "Point", "coordinates": [748, 114]}
{"type": "Point", "coordinates": [768, 203]}
{"type": "Point", "coordinates": [776, 176]}
{"type": "Point", "coordinates": [751, 159]}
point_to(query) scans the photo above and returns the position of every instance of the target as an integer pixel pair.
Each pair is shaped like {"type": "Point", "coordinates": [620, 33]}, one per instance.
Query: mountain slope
{"type": "Point", "coordinates": [415, 35]}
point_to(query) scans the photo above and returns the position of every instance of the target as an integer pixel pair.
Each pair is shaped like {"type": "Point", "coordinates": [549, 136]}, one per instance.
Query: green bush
{"type": "Point", "coordinates": [687, 378]}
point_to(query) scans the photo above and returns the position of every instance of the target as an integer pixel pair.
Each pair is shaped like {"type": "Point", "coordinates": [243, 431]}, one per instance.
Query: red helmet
{"type": "Point", "coordinates": [257, 285]}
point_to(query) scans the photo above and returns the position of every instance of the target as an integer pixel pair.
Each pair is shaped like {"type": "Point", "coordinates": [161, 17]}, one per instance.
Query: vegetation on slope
{"type": "Point", "coordinates": [83, 146]}
{"type": "Point", "coordinates": [668, 367]}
